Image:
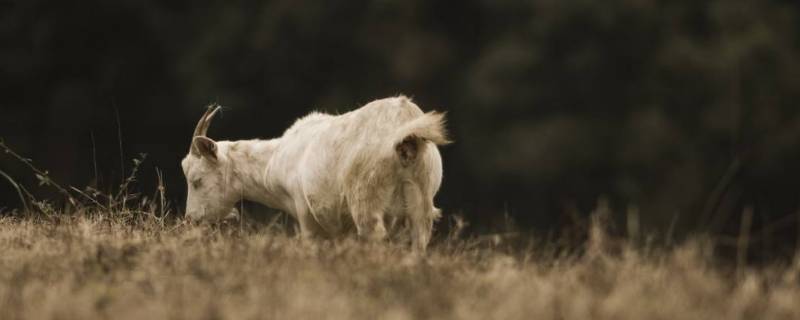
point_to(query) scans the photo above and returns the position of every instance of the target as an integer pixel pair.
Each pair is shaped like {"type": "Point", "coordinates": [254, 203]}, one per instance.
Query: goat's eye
{"type": "Point", "coordinates": [197, 183]}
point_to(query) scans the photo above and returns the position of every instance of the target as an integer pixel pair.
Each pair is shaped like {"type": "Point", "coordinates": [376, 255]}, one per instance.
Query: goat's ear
{"type": "Point", "coordinates": [206, 147]}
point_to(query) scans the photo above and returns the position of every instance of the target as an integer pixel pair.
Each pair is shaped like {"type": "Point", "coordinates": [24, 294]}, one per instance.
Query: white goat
{"type": "Point", "coordinates": [373, 165]}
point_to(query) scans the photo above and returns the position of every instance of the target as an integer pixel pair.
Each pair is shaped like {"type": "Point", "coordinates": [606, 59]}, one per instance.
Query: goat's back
{"type": "Point", "coordinates": [328, 157]}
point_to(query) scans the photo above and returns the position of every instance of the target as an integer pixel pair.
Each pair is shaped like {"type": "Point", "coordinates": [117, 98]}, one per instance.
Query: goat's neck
{"type": "Point", "coordinates": [248, 160]}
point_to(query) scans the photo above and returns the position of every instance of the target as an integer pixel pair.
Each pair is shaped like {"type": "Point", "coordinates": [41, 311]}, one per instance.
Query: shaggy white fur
{"type": "Point", "coordinates": [376, 167]}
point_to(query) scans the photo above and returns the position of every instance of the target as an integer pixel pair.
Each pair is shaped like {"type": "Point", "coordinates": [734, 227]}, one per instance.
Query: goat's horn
{"type": "Point", "coordinates": [202, 126]}
{"type": "Point", "coordinates": [212, 110]}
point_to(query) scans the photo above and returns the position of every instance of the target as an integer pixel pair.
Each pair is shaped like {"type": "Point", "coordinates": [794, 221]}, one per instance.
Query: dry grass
{"type": "Point", "coordinates": [94, 267]}
{"type": "Point", "coordinates": [120, 256]}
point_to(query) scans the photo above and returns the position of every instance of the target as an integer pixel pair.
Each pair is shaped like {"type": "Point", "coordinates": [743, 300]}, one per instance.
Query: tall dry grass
{"type": "Point", "coordinates": [107, 266]}
{"type": "Point", "coordinates": [121, 255]}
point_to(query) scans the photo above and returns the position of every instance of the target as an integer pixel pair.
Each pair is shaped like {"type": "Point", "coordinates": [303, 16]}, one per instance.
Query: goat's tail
{"type": "Point", "coordinates": [409, 138]}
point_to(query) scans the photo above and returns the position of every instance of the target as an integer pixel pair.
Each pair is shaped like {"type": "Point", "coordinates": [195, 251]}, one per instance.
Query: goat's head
{"type": "Point", "coordinates": [209, 195]}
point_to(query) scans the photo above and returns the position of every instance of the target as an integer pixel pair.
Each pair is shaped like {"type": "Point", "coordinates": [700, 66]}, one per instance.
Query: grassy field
{"type": "Point", "coordinates": [119, 267]}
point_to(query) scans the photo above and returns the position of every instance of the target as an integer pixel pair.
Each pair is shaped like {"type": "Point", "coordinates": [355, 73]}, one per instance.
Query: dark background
{"type": "Point", "coordinates": [552, 104]}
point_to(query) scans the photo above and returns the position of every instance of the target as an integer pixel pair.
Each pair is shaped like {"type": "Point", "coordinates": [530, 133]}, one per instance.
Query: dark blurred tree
{"type": "Point", "coordinates": [674, 107]}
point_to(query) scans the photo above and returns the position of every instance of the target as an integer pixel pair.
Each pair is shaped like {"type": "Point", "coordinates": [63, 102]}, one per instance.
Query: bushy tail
{"type": "Point", "coordinates": [428, 127]}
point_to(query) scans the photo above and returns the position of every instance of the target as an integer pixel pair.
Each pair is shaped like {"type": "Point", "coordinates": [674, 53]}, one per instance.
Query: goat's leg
{"type": "Point", "coordinates": [421, 214]}
{"type": "Point", "coordinates": [367, 204]}
{"type": "Point", "coordinates": [367, 215]}
{"type": "Point", "coordinates": [309, 227]}
{"type": "Point", "coordinates": [370, 225]}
